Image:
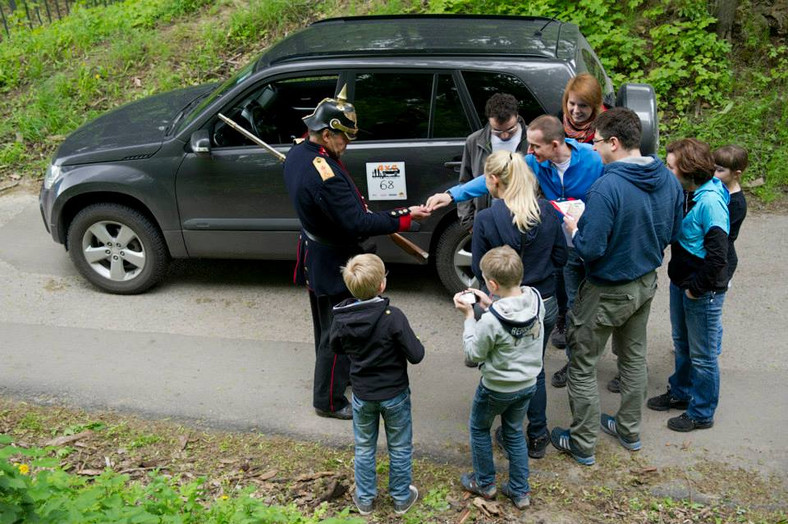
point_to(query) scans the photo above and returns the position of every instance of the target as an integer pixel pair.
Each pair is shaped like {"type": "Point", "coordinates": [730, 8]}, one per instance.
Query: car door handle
{"type": "Point", "coordinates": [453, 165]}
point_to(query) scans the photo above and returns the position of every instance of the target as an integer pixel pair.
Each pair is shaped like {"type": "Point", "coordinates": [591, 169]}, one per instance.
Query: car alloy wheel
{"type": "Point", "coordinates": [453, 259]}
{"type": "Point", "coordinates": [117, 248]}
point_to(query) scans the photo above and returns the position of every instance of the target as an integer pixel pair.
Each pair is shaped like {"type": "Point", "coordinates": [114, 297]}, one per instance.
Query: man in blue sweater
{"type": "Point", "coordinates": [632, 213]}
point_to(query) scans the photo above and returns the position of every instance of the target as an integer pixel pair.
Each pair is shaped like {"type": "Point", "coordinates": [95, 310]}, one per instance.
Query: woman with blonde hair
{"type": "Point", "coordinates": [530, 226]}
{"type": "Point", "coordinates": [581, 104]}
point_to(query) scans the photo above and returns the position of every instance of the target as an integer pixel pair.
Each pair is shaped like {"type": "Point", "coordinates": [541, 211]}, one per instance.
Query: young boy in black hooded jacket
{"type": "Point", "coordinates": [379, 343]}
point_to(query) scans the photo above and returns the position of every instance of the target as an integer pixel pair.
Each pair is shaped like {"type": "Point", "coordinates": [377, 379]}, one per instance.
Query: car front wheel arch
{"type": "Point", "coordinates": [117, 248]}
{"type": "Point", "coordinates": [453, 258]}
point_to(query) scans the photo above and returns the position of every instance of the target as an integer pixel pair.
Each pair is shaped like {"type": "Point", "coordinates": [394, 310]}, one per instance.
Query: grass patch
{"type": "Point", "coordinates": [210, 475]}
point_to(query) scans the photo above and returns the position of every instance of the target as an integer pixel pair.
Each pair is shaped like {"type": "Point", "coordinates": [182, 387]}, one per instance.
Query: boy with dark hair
{"type": "Point", "coordinates": [507, 341]}
{"type": "Point", "coordinates": [379, 343]}
{"type": "Point", "coordinates": [730, 163]}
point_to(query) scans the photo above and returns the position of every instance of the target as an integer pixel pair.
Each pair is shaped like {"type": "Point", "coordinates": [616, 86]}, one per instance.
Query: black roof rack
{"type": "Point", "coordinates": [445, 35]}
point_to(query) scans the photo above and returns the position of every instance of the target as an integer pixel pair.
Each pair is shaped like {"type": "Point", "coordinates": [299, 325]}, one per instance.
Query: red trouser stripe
{"type": "Point", "coordinates": [331, 387]}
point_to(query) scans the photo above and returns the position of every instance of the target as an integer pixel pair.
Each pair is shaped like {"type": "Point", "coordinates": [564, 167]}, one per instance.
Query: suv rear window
{"type": "Point", "coordinates": [482, 85]}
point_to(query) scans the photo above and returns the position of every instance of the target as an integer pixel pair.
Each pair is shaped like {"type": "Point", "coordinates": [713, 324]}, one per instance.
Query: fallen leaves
{"type": "Point", "coordinates": [488, 508]}
{"type": "Point", "coordinates": [68, 439]}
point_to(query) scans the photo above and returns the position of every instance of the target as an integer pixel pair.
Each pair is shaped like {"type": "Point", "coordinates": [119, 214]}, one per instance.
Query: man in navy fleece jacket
{"type": "Point", "coordinates": [632, 213]}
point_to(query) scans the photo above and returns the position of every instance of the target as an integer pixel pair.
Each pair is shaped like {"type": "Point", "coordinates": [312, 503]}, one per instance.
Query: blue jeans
{"type": "Point", "coordinates": [487, 404]}
{"type": "Point", "coordinates": [537, 408]}
{"type": "Point", "coordinates": [696, 327]}
{"type": "Point", "coordinates": [574, 273]}
{"type": "Point", "coordinates": [399, 438]}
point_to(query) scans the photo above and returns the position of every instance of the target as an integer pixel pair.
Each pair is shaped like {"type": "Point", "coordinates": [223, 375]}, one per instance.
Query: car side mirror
{"type": "Point", "coordinates": [201, 142]}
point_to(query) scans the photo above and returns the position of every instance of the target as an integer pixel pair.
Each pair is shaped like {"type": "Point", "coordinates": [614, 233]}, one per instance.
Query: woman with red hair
{"type": "Point", "coordinates": [581, 104]}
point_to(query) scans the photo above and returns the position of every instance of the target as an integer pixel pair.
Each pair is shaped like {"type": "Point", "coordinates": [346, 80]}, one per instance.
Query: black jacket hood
{"type": "Point", "coordinates": [355, 320]}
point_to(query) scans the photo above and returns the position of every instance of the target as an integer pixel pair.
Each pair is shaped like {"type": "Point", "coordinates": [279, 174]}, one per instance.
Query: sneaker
{"type": "Point", "coordinates": [468, 481]}
{"type": "Point", "coordinates": [559, 377]}
{"type": "Point", "coordinates": [614, 386]}
{"type": "Point", "coordinates": [519, 501]}
{"type": "Point", "coordinates": [400, 508]}
{"type": "Point", "coordinates": [608, 424]}
{"type": "Point", "coordinates": [561, 440]}
{"type": "Point", "coordinates": [684, 423]}
{"type": "Point", "coordinates": [558, 338]}
{"type": "Point", "coordinates": [364, 509]}
{"type": "Point", "coordinates": [666, 402]}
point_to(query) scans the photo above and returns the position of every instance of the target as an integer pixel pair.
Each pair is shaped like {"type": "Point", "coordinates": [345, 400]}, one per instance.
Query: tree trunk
{"type": "Point", "coordinates": [726, 12]}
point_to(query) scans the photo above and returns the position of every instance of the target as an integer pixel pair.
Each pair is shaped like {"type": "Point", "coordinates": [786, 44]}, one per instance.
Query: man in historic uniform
{"type": "Point", "coordinates": [335, 222]}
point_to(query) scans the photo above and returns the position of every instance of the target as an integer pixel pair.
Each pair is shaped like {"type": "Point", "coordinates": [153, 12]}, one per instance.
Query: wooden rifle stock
{"type": "Point", "coordinates": [405, 244]}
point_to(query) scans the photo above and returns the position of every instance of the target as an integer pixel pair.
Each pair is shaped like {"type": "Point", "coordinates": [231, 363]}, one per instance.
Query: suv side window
{"type": "Point", "coordinates": [483, 84]}
{"type": "Point", "coordinates": [393, 106]}
{"type": "Point", "coordinates": [449, 120]}
{"type": "Point", "coordinates": [274, 111]}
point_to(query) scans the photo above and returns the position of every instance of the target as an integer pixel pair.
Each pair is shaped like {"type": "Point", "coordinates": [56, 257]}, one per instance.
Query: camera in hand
{"type": "Point", "coordinates": [468, 297]}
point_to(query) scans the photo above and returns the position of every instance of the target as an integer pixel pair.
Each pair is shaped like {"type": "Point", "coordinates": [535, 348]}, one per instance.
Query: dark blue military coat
{"type": "Point", "coordinates": [333, 216]}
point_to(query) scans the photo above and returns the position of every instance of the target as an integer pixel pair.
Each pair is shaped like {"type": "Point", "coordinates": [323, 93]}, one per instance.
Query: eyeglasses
{"type": "Point", "coordinates": [512, 130]}
{"type": "Point", "coordinates": [598, 140]}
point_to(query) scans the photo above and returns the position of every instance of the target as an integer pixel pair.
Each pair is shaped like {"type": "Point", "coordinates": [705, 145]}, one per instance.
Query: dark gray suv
{"type": "Point", "coordinates": [165, 178]}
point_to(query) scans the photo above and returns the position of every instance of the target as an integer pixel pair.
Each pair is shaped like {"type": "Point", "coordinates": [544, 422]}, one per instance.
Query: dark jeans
{"type": "Point", "coordinates": [537, 408]}
{"type": "Point", "coordinates": [574, 273]}
{"type": "Point", "coordinates": [332, 371]}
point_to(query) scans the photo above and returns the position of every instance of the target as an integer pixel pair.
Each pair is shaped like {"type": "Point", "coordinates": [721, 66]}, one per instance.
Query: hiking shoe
{"type": "Point", "coordinates": [614, 386]}
{"type": "Point", "coordinates": [558, 338]}
{"type": "Point", "coordinates": [561, 440]}
{"type": "Point", "coordinates": [684, 423]}
{"type": "Point", "coordinates": [608, 424]}
{"type": "Point", "coordinates": [559, 377]}
{"type": "Point", "coordinates": [468, 481]}
{"type": "Point", "coordinates": [519, 501]}
{"type": "Point", "coordinates": [400, 508]}
{"type": "Point", "coordinates": [537, 447]}
{"type": "Point", "coordinates": [364, 509]}
{"type": "Point", "coordinates": [666, 402]}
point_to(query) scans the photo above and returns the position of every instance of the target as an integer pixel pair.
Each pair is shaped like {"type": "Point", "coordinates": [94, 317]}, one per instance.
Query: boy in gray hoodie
{"type": "Point", "coordinates": [507, 341]}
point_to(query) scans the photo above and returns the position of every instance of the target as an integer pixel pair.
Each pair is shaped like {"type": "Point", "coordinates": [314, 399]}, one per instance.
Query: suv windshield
{"type": "Point", "coordinates": [219, 92]}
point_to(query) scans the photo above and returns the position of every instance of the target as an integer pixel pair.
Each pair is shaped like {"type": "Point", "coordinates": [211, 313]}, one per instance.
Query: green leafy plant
{"type": "Point", "coordinates": [33, 488]}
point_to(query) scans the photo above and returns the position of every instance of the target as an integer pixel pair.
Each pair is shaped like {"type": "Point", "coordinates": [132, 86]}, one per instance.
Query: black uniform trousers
{"type": "Point", "coordinates": [332, 371]}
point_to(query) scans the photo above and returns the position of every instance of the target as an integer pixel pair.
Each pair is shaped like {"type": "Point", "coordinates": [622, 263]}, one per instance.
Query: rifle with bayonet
{"type": "Point", "coordinates": [405, 244]}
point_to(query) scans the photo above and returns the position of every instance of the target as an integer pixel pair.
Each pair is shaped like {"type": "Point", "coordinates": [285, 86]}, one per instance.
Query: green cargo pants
{"type": "Point", "coordinates": [599, 312]}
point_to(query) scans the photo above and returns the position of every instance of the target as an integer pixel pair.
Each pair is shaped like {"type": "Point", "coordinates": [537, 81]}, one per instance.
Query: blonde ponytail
{"type": "Point", "coordinates": [518, 189]}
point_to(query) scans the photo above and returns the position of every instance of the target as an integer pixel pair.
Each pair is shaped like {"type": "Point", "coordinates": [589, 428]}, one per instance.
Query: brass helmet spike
{"type": "Point", "coordinates": [342, 96]}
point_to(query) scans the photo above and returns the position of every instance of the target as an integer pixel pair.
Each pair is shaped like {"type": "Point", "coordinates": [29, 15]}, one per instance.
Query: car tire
{"type": "Point", "coordinates": [453, 259]}
{"type": "Point", "coordinates": [117, 249]}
